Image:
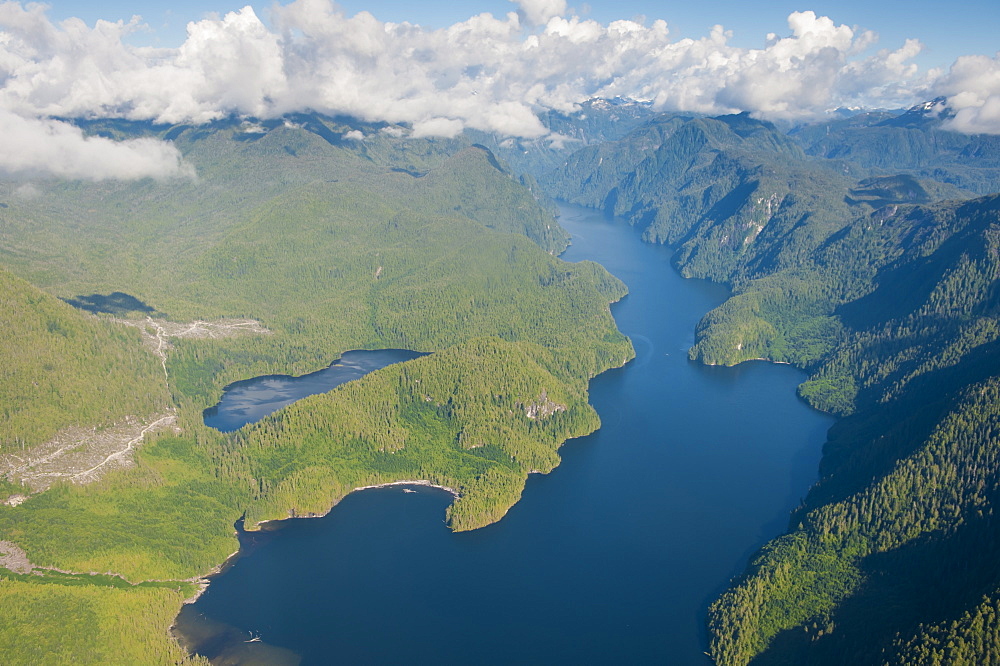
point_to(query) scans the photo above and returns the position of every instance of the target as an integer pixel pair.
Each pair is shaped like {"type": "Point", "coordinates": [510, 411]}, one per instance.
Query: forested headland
{"type": "Point", "coordinates": [328, 244]}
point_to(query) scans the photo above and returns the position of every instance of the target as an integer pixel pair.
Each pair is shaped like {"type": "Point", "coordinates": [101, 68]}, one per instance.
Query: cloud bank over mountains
{"type": "Point", "coordinates": [489, 73]}
{"type": "Point", "coordinates": [40, 146]}
{"type": "Point", "coordinates": [972, 89]}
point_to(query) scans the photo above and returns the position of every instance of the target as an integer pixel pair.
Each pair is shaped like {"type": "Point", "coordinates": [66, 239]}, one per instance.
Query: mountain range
{"type": "Point", "coordinates": [863, 249]}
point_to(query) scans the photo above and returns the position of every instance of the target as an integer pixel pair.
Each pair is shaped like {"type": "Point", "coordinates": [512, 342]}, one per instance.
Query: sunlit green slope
{"type": "Point", "coordinates": [331, 244]}
{"type": "Point", "coordinates": [60, 367]}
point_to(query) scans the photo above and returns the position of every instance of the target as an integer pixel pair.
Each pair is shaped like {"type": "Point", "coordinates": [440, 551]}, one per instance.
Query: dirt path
{"type": "Point", "coordinates": [156, 333]}
{"type": "Point", "coordinates": [82, 455]}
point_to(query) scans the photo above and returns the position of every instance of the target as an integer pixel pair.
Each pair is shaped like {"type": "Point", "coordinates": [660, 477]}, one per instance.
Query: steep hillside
{"type": "Point", "coordinates": [743, 205]}
{"type": "Point", "coordinates": [735, 195]}
{"type": "Point", "coordinates": [310, 236]}
{"type": "Point", "coordinates": [898, 536]}
{"type": "Point", "coordinates": [60, 368]}
{"type": "Point", "coordinates": [883, 284]}
{"type": "Point", "coordinates": [916, 141]}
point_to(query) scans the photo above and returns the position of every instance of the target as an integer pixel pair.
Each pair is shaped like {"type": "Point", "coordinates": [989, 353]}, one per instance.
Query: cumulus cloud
{"type": "Point", "coordinates": [538, 12]}
{"type": "Point", "coordinates": [489, 73]}
{"type": "Point", "coordinates": [972, 90]}
{"type": "Point", "coordinates": [33, 146]}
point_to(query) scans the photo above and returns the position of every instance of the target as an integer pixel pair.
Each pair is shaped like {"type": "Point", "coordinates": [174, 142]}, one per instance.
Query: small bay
{"type": "Point", "coordinates": [611, 558]}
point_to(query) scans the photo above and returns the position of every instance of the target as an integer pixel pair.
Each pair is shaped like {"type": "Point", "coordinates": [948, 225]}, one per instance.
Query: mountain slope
{"type": "Point", "coordinates": [60, 367]}
{"type": "Point", "coordinates": [329, 243]}
{"type": "Point", "coordinates": [908, 481]}
{"type": "Point", "coordinates": [916, 141]}
{"type": "Point", "coordinates": [887, 293]}
{"type": "Point", "coordinates": [735, 195]}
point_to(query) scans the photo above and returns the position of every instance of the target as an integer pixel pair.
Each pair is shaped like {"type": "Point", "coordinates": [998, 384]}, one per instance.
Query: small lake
{"type": "Point", "coordinates": [250, 400]}
{"type": "Point", "coordinates": [611, 558]}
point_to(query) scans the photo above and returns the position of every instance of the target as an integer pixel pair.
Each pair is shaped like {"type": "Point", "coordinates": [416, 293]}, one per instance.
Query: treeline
{"type": "Point", "coordinates": [169, 517]}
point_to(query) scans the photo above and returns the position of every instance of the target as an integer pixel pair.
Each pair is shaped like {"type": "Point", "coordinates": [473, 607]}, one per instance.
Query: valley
{"type": "Point", "coordinates": [878, 279]}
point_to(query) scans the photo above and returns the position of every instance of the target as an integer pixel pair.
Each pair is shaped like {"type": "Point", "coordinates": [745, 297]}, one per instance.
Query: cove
{"type": "Point", "coordinates": [611, 558]}
{"type": "Point", "coordinates": [250, 400]}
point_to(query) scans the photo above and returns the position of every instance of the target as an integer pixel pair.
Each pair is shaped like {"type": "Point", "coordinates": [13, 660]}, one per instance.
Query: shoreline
{"type": "Point", "coordinates": [421, 482]}
{"type": "Point", "coordinates": [202, 584]}
{"type": "Point", "coordinates": [204, 581]}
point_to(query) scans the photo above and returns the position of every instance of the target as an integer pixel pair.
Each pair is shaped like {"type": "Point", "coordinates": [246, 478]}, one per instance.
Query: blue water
{"type": "Point", "coordinates": [250, 400]}
{"type": "Point", "coordinates": [612, 558]}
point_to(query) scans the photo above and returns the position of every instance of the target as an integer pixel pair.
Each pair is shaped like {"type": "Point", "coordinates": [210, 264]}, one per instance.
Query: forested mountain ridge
{"type": "Point", "coordinates": [882, 284]}
{"type": "Point", "coordinates": [735, 195]}
{"type": "Point", "coordinates": [332, 235]}
{"type": "Point", "coordinates": [917, 141]}
{"type": "Point", "coordinates": [744, 206]}
{"type": "Point", "coordinates": [908, 480]}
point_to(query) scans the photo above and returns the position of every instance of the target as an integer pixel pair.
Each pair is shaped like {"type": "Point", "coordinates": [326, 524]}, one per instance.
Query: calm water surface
{"type": "Point", "coordinates": [250, 400]}
{"type": "Point", "coordinates": [612, 558]}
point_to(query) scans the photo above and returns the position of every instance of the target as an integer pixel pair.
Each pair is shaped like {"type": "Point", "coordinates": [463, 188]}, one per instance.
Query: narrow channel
{"type": "Point", "coordinates": [612, 558]}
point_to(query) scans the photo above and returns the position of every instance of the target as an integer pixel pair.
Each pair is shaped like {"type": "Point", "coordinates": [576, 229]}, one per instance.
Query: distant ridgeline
{"type": "Point", "coordinates": [885, 286]}
{"type": "Point", "coordinates": [333, 235]}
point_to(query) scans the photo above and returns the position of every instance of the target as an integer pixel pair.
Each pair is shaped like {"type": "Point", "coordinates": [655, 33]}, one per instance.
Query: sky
{"type": "Point", "coordinates": [945, 33]}
{"type": "Point", "coordinates": [440, 67]}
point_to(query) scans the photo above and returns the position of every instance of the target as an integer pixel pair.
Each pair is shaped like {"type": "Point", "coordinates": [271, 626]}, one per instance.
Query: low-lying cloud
{"type": "Point", "coordinates": [488, 73]}
{"type": "Point", "coordinates": [972, 88]}
{"type": "Point", "coordinates": [37, 146]}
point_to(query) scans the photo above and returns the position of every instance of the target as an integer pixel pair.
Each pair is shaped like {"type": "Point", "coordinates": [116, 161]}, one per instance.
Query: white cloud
{"type": "Point", "coordinates": [972, 89]}
{"type": "Point", "coordinates": [538, 12]}
{"type": "Point", "coordinates": [34, 146]}
{"type": "Point", "coordinates": [446, 127]}
{"type": "Point", "coordinates": [489, 73]}
{"type": "Point", "coordinates": [27, 191]}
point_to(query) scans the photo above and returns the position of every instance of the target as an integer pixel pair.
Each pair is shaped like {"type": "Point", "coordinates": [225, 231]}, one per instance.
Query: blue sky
{"type": "Point", "coordinates": [947, 30]}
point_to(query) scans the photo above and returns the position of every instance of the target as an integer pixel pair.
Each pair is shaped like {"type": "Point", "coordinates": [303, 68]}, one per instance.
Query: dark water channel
{"type": "Point", "coordinates": [612, 558]}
